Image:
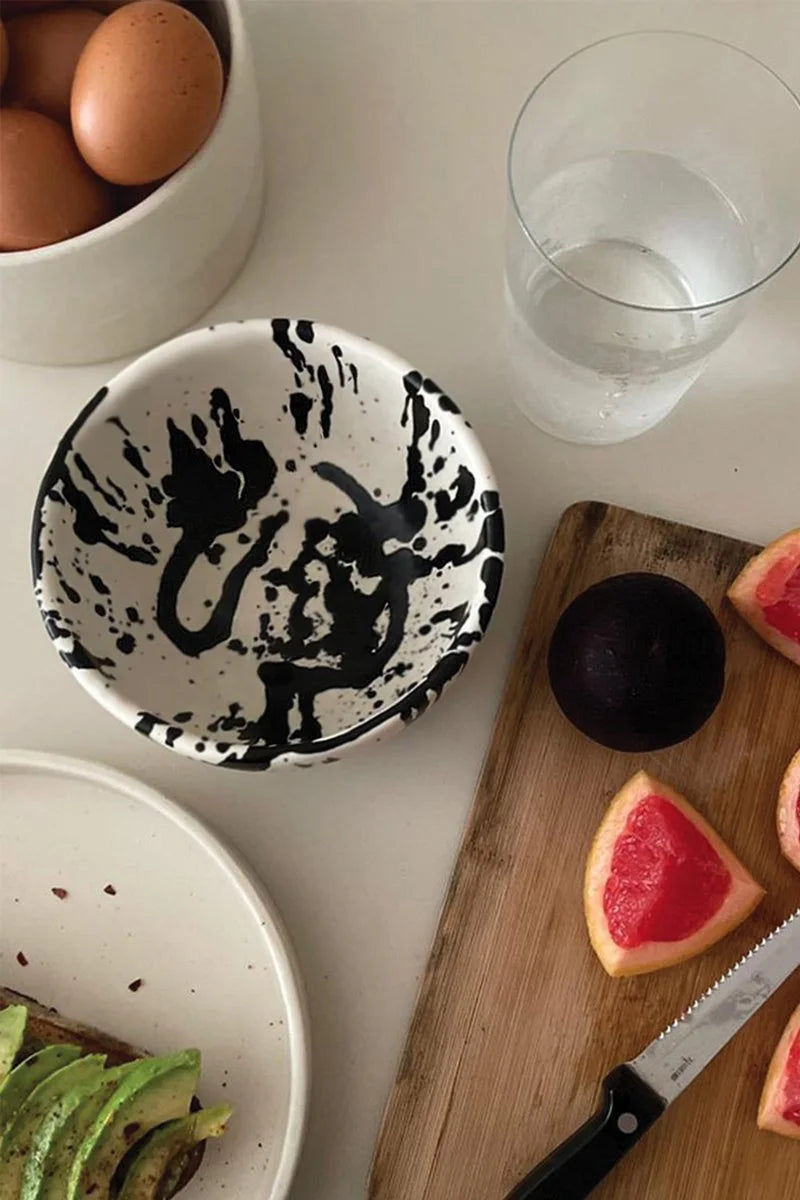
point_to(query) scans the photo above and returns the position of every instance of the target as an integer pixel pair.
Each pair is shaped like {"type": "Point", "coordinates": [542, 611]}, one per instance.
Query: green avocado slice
{"type": "Point", "coordinates": [18, 1136]}
{"type": "Point", "coordinates": [47, 1172]}
{"type": "Point", "coordinates": [12, 1030]}
{"type": "Point", "coordinates": [174, 1140]}
{"type": "Point", "coordinates": [156, 1091]}
{"type": "Point", "coordinates": [28, 1075]}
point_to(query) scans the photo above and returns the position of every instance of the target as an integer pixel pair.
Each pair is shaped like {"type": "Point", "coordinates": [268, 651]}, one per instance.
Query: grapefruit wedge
{"type": "Point", "coordinates": [779, 1110]}
{"type": "Point", "coordinates": [767, 594]}
{"type": "Point", "coordinates": [661, 886]}
{"type": "Point", "coordinates": [789, 812]}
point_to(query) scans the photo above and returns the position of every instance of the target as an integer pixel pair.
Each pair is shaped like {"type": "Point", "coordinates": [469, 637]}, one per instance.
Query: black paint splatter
{"type": "Point", "coordinates": [282, 339]}
{"type": "Point", "coordinates": [80, 659]}
{"type": "Point", "coordinates": [148, 722]}
{"type": "Point", "coordinates": [99, 585]}
{"type": "Point", "coordinates": [133, 456]}
{"type": "Point", "coordinates": [351, 652]}
{"type": "Point", "coordinates": [70, 592]}
{"type": "Point", "coordinates": [326, 411]}
{"type": "Point", "coordinates": [357, 567]}
{"type": "Point", "coordinates": [88, 475]}
{"type": "Point", "coordinates": [336, 351]}
{"type": "Point", "coordinates": [448, 505]}
{"type": "Point", "coordinates": [199, 429]}
{"type": "Point", "coordinates": [116, 488]}
{"type": "Point", "coordinates": [204, 503]}
{"type": "Point", "coordinates": [92, 527]}
{"type": "Point", "coordinates": [300, 406]}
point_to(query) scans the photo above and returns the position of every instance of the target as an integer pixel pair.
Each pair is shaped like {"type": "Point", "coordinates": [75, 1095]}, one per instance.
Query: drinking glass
{"type": "Point", "coordinates": [654, 186]}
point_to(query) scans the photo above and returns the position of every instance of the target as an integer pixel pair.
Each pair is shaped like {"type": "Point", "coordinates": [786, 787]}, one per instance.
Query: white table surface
{"type": "Point", "coordinates": [385, 136]}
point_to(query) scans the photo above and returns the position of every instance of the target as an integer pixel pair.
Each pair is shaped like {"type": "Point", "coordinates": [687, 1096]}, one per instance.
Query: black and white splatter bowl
{"type": "Point", "coordinates": [267, 542]}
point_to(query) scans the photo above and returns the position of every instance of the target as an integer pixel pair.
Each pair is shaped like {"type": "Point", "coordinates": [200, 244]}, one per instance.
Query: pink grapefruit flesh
{"type": "Point", "coordinates": [779, 1110]}
{"type": "Point", "coordinates": [767, 594]}
{"type": "Point", "coordinates": [661, 885]}
{"type": "Point", "coordinates": [789, 812]}
{"type": "Point", "coordinates": [666, 879]}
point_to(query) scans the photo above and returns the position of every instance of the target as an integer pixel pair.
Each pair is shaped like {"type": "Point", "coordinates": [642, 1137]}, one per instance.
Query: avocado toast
{"type": "Point", "coordinates": [85, 1116]}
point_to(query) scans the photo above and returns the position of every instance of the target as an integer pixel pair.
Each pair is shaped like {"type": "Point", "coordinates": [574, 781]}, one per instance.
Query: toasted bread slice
{"type": "Point", "coordinates": [46, 1027]}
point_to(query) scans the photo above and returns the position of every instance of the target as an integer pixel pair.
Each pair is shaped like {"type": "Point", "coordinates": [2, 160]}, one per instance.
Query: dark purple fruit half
{"type": "Point", "coordinates": [637, 662]}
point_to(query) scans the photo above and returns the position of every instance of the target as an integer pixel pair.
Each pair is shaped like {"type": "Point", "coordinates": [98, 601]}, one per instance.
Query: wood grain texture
{"type": "Point", "coordinates": [516, 1022]}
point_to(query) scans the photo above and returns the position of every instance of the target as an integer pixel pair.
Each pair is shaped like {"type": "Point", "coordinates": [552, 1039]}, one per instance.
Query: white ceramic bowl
{"type": "Point", "coordinates": [267, 542]}
{"type": "Point", "coordinates": [156, 268]}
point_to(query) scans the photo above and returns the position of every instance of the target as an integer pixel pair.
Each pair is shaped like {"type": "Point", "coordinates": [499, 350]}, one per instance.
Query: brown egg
{"type": "Point", "coordinates": [108, 6]}
{"type": "Point", "coordinates": [3, 52]}
{"type": "Point", "coordinates": [45, 48]}
{"type": "Point", "coordinates": [146, 93]}
{"type": "Point", "coordinates": [47, 193]}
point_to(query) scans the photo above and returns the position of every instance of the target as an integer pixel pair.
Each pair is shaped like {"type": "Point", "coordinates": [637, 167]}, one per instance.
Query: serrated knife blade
{"type": "Point", "coordinates": [685, 1048]}
{"type": "Point", "coordinates": [636, 1093]}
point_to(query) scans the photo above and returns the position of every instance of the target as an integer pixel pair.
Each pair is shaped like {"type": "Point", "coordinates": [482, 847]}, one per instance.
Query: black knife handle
{"type": "Point", "coordinates": [575, 1168]}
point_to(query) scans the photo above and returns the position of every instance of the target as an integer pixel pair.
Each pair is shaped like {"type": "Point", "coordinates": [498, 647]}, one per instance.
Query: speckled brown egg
{"type": "Point", "coordinates": [147, 92]}
{"type": "Point", "coordinates": [47, 192]}
{"type": "Point", "coordinates": [3, 52]}
{"type": "Point", "coordinates": [45, 48]}
{"type": "Point", "coordinates": [108, 6]}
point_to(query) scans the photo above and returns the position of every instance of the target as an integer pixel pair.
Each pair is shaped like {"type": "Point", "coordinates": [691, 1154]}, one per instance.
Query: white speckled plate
{"type": "Point", "coordinates": [187, 919]}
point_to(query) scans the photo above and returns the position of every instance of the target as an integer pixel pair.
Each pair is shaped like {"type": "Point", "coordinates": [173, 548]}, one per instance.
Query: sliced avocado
{"type": "Point", "coordinates": [12, 1030]}
{"type": "Point", "coordinates": [149, 1170]}
{"type": "Point", "coordinates": [157, 1090]}
{"type": "Point", "coordinates": [19, 1132]}
{"type": "Point", "coordinates": [47, 1173]}
{"type": "Point", "coordinates": [28, 1075]}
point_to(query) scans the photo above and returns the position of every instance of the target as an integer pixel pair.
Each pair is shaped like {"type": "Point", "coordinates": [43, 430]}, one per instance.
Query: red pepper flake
{"type": "Point", "coordinates": [135, 985]}
{"type": "Point", "coordinates": [110, 890]}
{"type": "Point", "coordinates": [130, 1131]}
{"type": "Point", "coordinates": [62, 893]}
{"type": "Point", "coordinates": [21, 959]}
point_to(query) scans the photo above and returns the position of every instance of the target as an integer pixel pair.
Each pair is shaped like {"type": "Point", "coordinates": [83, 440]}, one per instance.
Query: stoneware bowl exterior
{"type": "Point", "coordinates": [154, 269]}
{"type": "Point", "coordinates": [267, 542]}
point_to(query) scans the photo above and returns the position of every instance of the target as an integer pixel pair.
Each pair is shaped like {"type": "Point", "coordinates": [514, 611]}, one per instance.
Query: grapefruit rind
{"type": "Point", "coordinates": [742, 898]}
{"type": "Point", "coordinates": [769, 1110]}
{"type": "Point", "coordinates": [742, 593]}
{"type": "Point", "coordinates": [787, 818]}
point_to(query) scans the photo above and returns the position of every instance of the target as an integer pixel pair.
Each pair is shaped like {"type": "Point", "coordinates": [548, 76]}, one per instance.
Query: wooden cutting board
{"type": "Point", "coordinates": [516, 1022]}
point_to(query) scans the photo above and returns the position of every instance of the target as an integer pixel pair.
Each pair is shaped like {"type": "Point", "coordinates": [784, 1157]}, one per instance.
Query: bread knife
{"type": "Point", "coordinates": [636, 1093]}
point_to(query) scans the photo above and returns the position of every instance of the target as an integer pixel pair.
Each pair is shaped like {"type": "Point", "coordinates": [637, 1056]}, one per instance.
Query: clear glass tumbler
{"type": "Point", "coordinates": [654, 185]}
